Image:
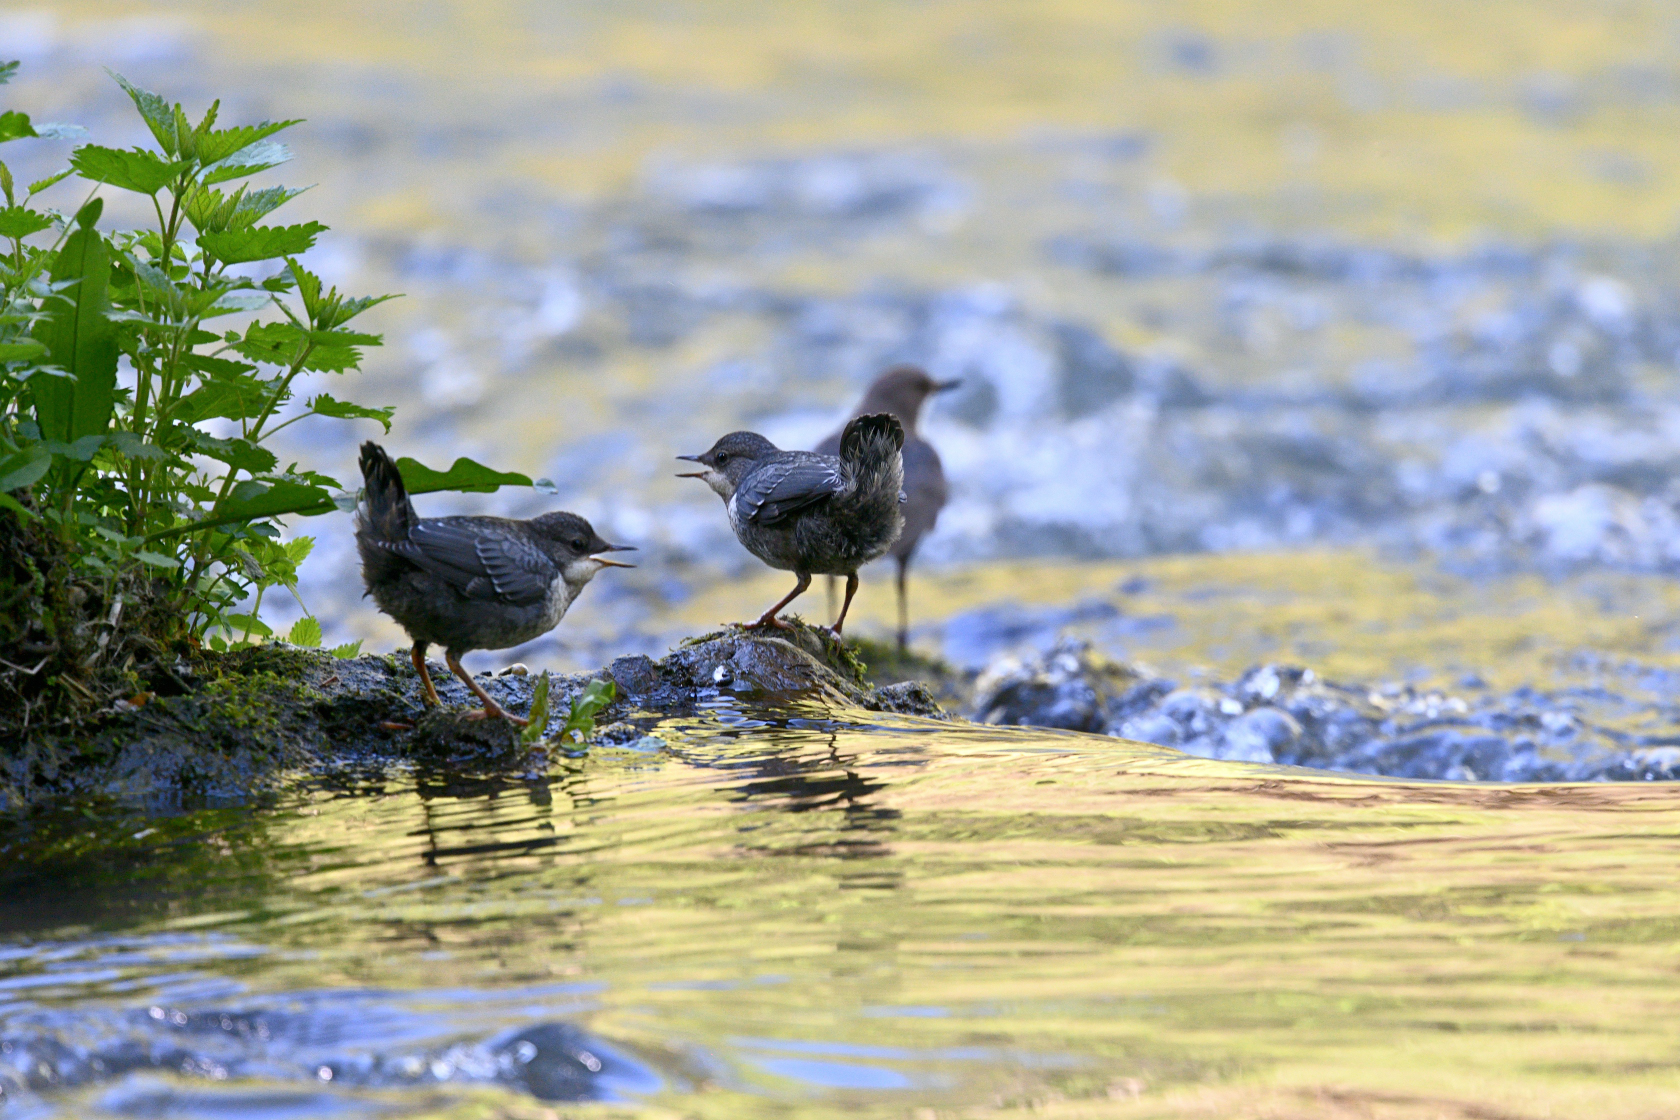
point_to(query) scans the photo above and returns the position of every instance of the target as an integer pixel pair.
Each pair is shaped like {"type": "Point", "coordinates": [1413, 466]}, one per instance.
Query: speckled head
{"type": "Point", "coordinates": [729, 460]}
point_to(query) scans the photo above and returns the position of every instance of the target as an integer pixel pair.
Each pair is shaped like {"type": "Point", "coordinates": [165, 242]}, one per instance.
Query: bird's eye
{"type": "Point", "coordinates": [722, 458]}
{"type": "Point", "coordinates": [579, 543]}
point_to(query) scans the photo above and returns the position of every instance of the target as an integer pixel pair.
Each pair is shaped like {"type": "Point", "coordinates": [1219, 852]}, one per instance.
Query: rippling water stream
{"type": "Point", "coordinates": [775, 915]}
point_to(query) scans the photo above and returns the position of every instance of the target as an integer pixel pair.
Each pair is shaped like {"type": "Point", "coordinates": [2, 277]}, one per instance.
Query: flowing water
{"type": "Point", "coordinates": [1331, 335]}
{"type": "Point", "coordinates": [774, 914]}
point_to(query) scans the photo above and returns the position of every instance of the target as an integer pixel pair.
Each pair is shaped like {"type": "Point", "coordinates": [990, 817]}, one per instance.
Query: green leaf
{"type": "Point", "coordinates": [274, 343]}
{"type": "Point", "coordinates": [260, 243]}
{"type": "Point", "coordinates": [157, 559]}
{"type": "Point", "coordinates": [18, 221]}
{"type": "Point", "coordinates": [14, 126]}
{"type": "Point", "coordinates": [58, 130]}
{"type": "Point", "coordinates": [324, 405]}
{"type": "Point", "coordinates": [464, 475]}
{"type": "Point", "coordinates": [216, 146]}
{"type": "Point", "coordinates": [249, 623]}
{"type": "Point", "coordinates": [253, 501]}
{"type": "Point", "coordinates": [305, 632]}
{"type": "Point", "coordinates": [80, 338]}
{"type": "Point", "coordinates": [242, 399]}
{"type": "Point", "coordinates": [21, 350]}
{"type": "Point", "coordinates": [538, 726]}
{"type": "Point", "coordinates": [248, 160]}
{"type": "Point", "coordinates": [348, 650]}
{"type": "Point", "coordinates": [17, 507]}
{"type": "Point", "coordinates": [25, 468]}
{"type": "Point", "coordinates": [158, 113]}
{"type": "Point", "coordinates": [240, 454]}
{"type": "Point", "coordinates": [216, 367]}
{"type": "Point", "coordinates": [135, 447]}
{"type": "Point", "coordinates": [580, 724]}
{"type": "Point", "coordinates": [40, 185]}
{"type": "Point", "coordinates": [7, 69]}
{"type": "Point", "coordinates": [136, 170]}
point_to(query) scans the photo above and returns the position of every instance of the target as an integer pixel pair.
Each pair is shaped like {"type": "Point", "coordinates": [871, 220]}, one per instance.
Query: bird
{"type": "Point", "coordinates": [469, 583]}
{"type": "Point", "coordinates": [808, 513]}
{"type": "Point", "coordinates": [902, 391]}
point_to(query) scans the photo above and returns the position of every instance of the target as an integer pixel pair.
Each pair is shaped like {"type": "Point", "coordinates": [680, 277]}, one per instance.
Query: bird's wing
{"type": "Point", "coordinates": [783, 487]}
{"type": "Point", "coordinates": [924, 476]}
{"type": "Point", "coordinates": [479, 561]}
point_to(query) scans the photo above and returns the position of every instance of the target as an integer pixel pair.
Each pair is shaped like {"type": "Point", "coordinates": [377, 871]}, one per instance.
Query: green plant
{"type": "Point", "coordinates": [136, 432]}
{"type": "Point", "coordinates": [580, 724]}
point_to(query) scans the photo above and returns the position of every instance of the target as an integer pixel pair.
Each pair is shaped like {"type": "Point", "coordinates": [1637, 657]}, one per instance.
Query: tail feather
{"type": "Point", "coordinates": [869, 437]}
{"type": "Point", "coordinates": [387, 514]}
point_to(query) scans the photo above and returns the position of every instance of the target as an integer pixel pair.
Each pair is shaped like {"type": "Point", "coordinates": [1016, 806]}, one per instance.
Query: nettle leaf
{"type": "Point", "coordinates": [136, 170]}
{"type": "Point", "coordinates": [215, 367]}
{"type": "Point", "coordinates": [7, 69]}
{"type": "Point", "coordinates": [135, 447]}
{"type": "Point", "coordinates": [40, 185]}
{"type": "Point", "coordinates": [239, 299]}
{"type": "Point", "coordinates": [231, 399]}
{"type": "Point", "coordinates": [216, 146]}
{"type": "Point", "coordinates": [158, 114]}
{"type": "Point", "coordinates": [260, 243]}
{"type": "Point", "coordinates": [463, 475]}
{"type": "Point", "coordinates": [18, 221]}
{"type": "Point", "coordinates": [325, 405]}
{"type": "Point", "coordinates": [275, 343]}
{"type": "Point", "coordinates": [239, 454]}
{"type": "Point", "coordinates": [248, 160]}
{"type": "Point", "coordinates": [251, 500]}
{"type": "Point", "coordinates": [305, 632]}
{"type": "Point", "coordinates": [14, 125]}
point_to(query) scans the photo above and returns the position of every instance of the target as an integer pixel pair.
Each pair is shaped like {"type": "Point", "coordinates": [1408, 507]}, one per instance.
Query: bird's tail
{"type": "Point", "coordinates": [870, 450]}
{"type": "Point", "coordinates": [386, 513]}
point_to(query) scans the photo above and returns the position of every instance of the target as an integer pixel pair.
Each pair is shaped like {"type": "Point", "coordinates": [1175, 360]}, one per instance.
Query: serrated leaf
{"type": "Point", "coordinates": [274, 343]}
{"type": "Point", "coordinates": [260, 243]}
{"type": "Point", "coordinates": [537, 727]}
{"type": "Point", "coordinates": [249, 623]}
{"type": "Point", "coordinates": [7, 69]}
{"type": "Point", "coordinates": [305, 632]}
{"type": "Point", "coordinates": [218, 145]}
{"type": "Point", "coordinates": [156, 559]}
{"type": "Point", "coordinates": [253, 500]}
{"type": "Point", "coordinates": [240, 299]}
{"type": "Point", "coordinates": [464, 475]}
{"type": "Point", "coordinates": [40, 185]}
{"type": "Point", "coordinates": [325, 405]}
{"type": "Point", "coordinates": [135, 447]}
{"type": "Point", "coordinates": [230, 399]}
{"type": "Point", "coordinates": [19, 221]}
{"type": "Point", "coordinates": [298, 549]}
{"type": "Point", "coordinates": [14, 125]}
{"type": "Point", "coordinates": [216, 367]}
{"type": "Point", "coordinates": [138, 171]}
{"type": "Point", "coordinates": [238, 454]}
{"type": "Point", "coordinates": [248, 160]}
{"type": "Point", "coordinates": [348, 650]}
{"type": "Point", "coordinates": [158, 114]}
{"type": "Point", "coordinates": [580, 724]}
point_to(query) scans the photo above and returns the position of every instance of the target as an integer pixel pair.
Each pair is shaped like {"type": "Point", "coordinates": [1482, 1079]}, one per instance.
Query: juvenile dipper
{"type": "Point", "coordinates": [808, 513]}
{"type": "Point", "coordinates": [902, 392]}
{"type": "Point", "coordinates": [469, 583]}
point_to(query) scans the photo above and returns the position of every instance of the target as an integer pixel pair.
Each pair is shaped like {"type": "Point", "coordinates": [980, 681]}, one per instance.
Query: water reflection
{"type": "Point", "coordinates": [826, 916]}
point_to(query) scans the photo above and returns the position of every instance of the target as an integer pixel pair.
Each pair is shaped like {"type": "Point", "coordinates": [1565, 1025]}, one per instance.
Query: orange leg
{"type": "Point", "coordinates": [851, 589]}
{"type": "Point", "coordinates": [768, 618]}
{"type": "Point", "coordinates": [418, 655]}
{"type": "Point", "coordinates": [491, 710]}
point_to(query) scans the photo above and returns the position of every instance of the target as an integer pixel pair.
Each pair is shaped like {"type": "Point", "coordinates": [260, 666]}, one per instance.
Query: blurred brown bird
{"type": "Point", "coordinates": [902, 391]}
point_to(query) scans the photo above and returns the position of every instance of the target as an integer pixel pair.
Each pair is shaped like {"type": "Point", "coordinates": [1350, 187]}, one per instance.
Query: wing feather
{"type": "Point", "coordinates": [479, 562]}
{"type": "Point", "coordinates": [783, 487]}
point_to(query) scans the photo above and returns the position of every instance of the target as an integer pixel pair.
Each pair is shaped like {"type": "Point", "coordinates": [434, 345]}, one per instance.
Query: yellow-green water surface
{"type": "Point", "coordinates": [816, 916]}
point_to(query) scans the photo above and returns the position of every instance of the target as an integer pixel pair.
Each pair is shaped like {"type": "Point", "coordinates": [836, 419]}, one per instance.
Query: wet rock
{"type": "Point", "coordinates": [1288, 714]}
{"type": "Point", "coordinates": [457, 737]}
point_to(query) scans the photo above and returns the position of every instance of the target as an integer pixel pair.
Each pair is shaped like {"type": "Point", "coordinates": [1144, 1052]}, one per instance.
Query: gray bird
{"type": "Point", "coordinates": [902, 391]}
{"type": "Point", "coordinates": [469, 583]}
{"type": "Point", "coordinates": [808, 513]}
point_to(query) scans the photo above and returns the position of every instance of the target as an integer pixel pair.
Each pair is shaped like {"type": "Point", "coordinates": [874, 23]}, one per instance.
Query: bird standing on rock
{"type": "Point", "coordinates": [902, 391]}
{"type": "Point", "coordinates": [469, 583]}
{"type": "Point", "coordinates": [808, 513]}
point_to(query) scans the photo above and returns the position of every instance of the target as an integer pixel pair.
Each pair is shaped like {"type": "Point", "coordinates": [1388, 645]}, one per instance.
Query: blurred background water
{"type": "Point", "coordinates": [1318, 359]}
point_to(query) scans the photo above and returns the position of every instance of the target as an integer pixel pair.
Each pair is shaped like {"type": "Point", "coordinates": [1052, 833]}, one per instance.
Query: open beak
{"type": "Point", "coordinates": [691, 474]}
{"type": "Point", "coordinates": [605, 563]}
{"type": "Point", "coordinates": [947, 386]}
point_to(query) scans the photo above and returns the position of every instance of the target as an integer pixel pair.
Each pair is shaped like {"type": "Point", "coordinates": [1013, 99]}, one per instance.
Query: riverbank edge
{"type": "Point", "coordinates": [242, 721]}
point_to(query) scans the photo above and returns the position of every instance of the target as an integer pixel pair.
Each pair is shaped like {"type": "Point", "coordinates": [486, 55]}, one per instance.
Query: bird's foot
{"type": "Point", "coordinates": [497, 712]}
{"type": "Point", "coordinates": [766, 622]}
